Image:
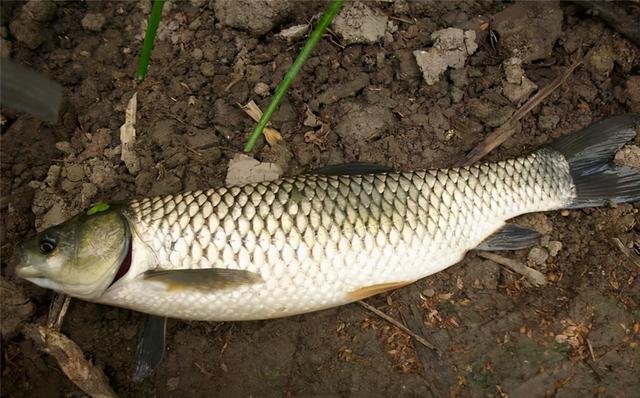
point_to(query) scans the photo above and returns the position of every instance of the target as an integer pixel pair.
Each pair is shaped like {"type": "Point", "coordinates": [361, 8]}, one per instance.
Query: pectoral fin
{"type": "Point", "coordinates": [202, 279]}
{"type": "Point", "coordinates": [372, 290]}
{"type": "Point", "coordinates": [150, 348]}
{"type": "Point", "coordinates": [510, 237]}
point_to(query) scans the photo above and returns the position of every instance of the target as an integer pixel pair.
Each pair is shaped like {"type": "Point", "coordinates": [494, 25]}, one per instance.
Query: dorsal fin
{"type": "Point", "coordinates": [352, 169]}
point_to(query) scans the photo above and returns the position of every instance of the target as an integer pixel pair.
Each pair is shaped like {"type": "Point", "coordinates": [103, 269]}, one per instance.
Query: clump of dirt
{"type": "Point", "coordinates": [358, 98]}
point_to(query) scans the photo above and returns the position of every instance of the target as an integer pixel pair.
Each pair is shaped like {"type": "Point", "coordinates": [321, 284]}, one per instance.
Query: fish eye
{"type": "Point", "coordinates": [47, 245]}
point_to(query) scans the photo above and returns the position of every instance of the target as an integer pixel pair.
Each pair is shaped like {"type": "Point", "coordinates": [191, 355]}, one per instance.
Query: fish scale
{"type": "Point", "coordinates": [317, 241]}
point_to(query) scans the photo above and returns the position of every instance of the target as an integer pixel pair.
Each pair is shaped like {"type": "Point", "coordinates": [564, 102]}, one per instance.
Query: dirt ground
{"type": "Point", "coordinates": [360, 97]}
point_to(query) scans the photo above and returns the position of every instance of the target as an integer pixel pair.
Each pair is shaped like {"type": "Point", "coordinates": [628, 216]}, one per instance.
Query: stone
{"type": "Point", "coordinates": [262, 89]}
{"type": "Point", "coordinates": [450, 50]}
{"type": "Point", "coordinates": [548, 122]}
{"type": "Point", "coordinates": [40, 10]}
{"type": "Point", "coordinates": [74, 172]}
{"type": "Point", "coordinates": [513, 70]}
{"type": "Point", "coordinates": [529, 29]}
{"type": "Point", "coordinates": [88, 191]}
{"type": "Point", "coordinates": [357, 23]}
{"type": "Point", "coordinates": [600, 60]}
{"type": "Point", "coordinates": [537, 256]}
{"type": "Point", "coordinates": [293, 33]}
{"type": "Point", "coordinates": [518, 93]}
{"type": "Point", "coordinates": [348, 89]}
{"type": "Point", "coordinates": [244, 169]}
{"type": "Point", "coordinates": [554, 247]}
{"type": "Point", "coordinates": [53, 175]}
{"type": "Point", "coordinates": [255, 16]}
{"type": "Point", "coordinates": [93, 22]}
{"type": "Point", "coordinates": [197, 54]}
{"type": "Point", "coordinates": [628, 156]}
{"type": "Point", "coordinates": [362, 124]}
{"type": "Point", "coordinates": [162, 132]}
{"type": "Point", "coordinates": [207, 69]}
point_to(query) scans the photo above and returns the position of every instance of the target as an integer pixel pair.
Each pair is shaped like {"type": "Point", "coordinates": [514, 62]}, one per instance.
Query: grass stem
{"type": "Point", "coordinates": [149, 38]}
{"type": "Point", "coordinates": [293, 72]}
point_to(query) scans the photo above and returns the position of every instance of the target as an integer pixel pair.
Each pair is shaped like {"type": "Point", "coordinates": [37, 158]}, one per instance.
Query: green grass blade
{"type": "Point", "coordinates": [291, 74]}
{"type": "Point", "coordinates": [149, 38]}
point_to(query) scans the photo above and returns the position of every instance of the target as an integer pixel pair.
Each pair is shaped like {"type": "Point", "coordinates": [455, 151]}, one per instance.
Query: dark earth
{"type": "Point", "coordinates": [360, 97]}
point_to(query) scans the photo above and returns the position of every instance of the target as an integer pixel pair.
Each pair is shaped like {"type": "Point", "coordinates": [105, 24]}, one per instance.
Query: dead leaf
{"type": "Point", "coordinates": [272, 135]}
{"type": "Point", "coordinates": [253, 110]}
{"type": "Point", "coordinates": [128, 137]}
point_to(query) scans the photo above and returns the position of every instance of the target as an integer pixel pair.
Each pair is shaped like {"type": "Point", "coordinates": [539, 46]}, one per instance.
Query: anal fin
{"type": "Point", "coordinates": [510, 237]}
{"type": "Point", "coordinates": [372, 290]}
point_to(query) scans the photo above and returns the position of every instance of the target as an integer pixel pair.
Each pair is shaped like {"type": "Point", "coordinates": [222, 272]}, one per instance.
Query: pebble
{"type": "Point", "coordinates": [74, 172]}
{"type": "Point", "coordinates": [39, 10]}
{"type": "Point", "coordinates": [262, 89]}
{"type": "Point", "coordinates": [93, 22]}
{"type": "Point", "coordinates": [358, 23]}
{"type": "Point", "coordinates": [537, 256]}
{"type": "Point", "coordinates": [207, 69]}
{"type": "Point", "coordinates": [548, 122]}
{"type": "Point", "coordinates": [554, 247]}
{"type": "Point", "coordinates": [89, 190]}
{"type": "Point", "coordinates": [197, 54]}
{"type": "Point", "coordinates": [172, 383]}
{"type": "Point", "coordinates": [428, 292]}
{"type": "Point", "coordinates": [601, 60]}
{"type": "Point", "coordinates": [53, 175]}
{"type": "Point", "coordinates": [518, 93]}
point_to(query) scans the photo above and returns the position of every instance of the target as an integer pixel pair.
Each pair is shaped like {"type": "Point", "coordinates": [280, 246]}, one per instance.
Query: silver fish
{"type": "Point", "coordinates": [315, 241]}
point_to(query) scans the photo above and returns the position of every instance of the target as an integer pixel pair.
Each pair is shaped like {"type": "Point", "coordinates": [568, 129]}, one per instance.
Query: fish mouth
{"type": "Point", "coordinates": [125, 264]}
{"type": "Point", "coordinates": [23, 269]}
{"type": "Point", "coordinates": [28, 272]}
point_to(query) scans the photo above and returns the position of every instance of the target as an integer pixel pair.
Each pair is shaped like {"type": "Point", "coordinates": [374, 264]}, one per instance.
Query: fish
{"type": "Point", "coordinates": [321, 239]}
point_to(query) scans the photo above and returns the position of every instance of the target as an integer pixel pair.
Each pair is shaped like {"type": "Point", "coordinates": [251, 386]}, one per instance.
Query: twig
{"type": "Point", "coordinates": [407, 21]}
{"type": "Point", "coordinates": [534, 277]}
{"type": "Point", "coordinates": [233, 82]}
{"type": "Point", "coordinates": [398, 324]}
{"type": "Point", "coordinates": [635, 259]}
{"type": "Point", "coordinates": [71, 359]}
{"type": "Point", "coordinates": [502, 133]}
{"type": "Point", "coordinates": [57, 311]}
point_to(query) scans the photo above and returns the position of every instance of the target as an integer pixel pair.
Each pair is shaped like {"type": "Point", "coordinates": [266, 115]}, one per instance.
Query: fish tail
{"type": "Point", "coordinates": [590, 153]}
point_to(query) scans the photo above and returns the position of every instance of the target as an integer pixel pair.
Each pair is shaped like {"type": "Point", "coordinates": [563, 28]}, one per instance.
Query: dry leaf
{"type": "Point", "coordinates": [252, 109]}
{"type": "Point", "coordinates": [272, 135]}
{"type": "Point", "coordinates": [128, 137]}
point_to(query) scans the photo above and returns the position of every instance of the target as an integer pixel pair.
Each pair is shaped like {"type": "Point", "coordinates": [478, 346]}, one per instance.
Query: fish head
{"type": "Point", "coordinates": [81, 257]}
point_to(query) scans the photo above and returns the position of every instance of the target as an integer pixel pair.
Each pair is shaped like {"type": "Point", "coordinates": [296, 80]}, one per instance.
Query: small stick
{"type": "Point", "coordinates": [233, 82]}
{"type": "Point", "coordinates": [57, 311]}
{"type": "Point", "coordinates": [502, 133]}
{"type": "Point", "coordinates": [399, 325]}
{"type": "Point", "coordinates": [72, 361]}
{"type": "Point", "coordinates": [635, 259]}
{"type": "Point", "coordinates": [534, 277]}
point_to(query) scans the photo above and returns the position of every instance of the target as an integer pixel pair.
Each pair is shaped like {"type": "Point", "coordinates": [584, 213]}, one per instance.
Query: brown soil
{"type": "Point", "coordinates": [496, 335]}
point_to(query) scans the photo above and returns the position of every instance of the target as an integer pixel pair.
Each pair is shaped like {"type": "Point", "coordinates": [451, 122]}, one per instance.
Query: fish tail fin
{"type": "Point", "coordinates": [590, 152]}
